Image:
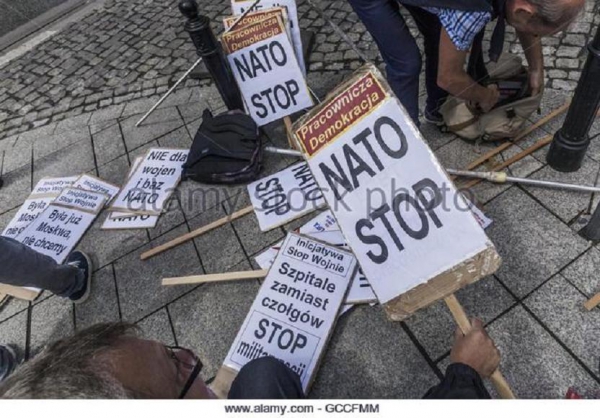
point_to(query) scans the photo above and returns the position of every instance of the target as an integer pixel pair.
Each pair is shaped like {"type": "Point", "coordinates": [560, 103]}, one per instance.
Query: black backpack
{"type": "Point", "coordinates": [226, 149]}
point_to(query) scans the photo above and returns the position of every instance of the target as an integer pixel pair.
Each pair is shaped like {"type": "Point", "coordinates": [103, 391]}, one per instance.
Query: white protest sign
{"type": "Point", "coordinates": [239, 6]}
{"type": "Point", "coordinates": [94, 184]}
{"type": "Point", "coordinates": [53, 185]}
{"type": "Point", "coordinates": [265, 68]}
{"type": "Point", "coordinates": [150, 186]}
{"type": "Point", "coordinates": [401, 215]}
{"type": "Point", "coordinates": [285, 196]}
{"type": "Point", "coordinates": [57, 230]}
{"type": "Point", "coordinates": [297, 305]}
{"type": "Point", "coordinates": [131, 221]}
{"type": "Point", "coordinates": [28, 212]}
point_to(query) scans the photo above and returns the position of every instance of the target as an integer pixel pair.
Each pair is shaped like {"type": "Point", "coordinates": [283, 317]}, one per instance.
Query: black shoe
{"type": "Point", "coordinates": [9, 360]}
{"type": "Point", "coordinates": [84, 263]}
{"type": "Point", "coordinates": [433, 117]}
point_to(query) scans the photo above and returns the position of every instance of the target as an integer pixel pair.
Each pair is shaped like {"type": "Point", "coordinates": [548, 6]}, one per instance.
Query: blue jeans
{"type": "Point", "coordinates": [400, 52]}
{"type": "Point", "coordinates": [22, 266]}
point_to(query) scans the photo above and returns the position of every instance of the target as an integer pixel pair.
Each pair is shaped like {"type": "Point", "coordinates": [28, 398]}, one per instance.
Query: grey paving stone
{"type": "Point", "coordinates": [583, 273]}
{"type": "Point", "coordinates": [140, 106]}
{"type": "Point", "coordinates": [17, 185]}
{"type": "Point", "coordinates": [371, 357]}
{"type": "Point", "coordinates": [106, 114]}
{"type": "Point", "coordinates": [14, 331]}
{"type": "Point", "coordinates": [39, 133]}
{"type": "Point", "coordinates": [75, 159]}
{"type": "Point", "coordinates": [566, 204]}
{"type": "Point", "coordinates": [220, 248]}
{"type": "Point", "coordinates": [248, 230]}
{"type": "Point", "coordinates": [106, 246]}
{"type": "Point", "coordinates": [159, 123]}
{"type": "Point", "coordinates": [459, 153]}
{"type": "Point", "coordinates": [196, 198]}
{"type": "Point", "coordinates": [178, 97]}
{"type": "Point", "coordinates": [11, 307]}
{"type": "Point", "coordinates": [208, 319]}
{"type": "Point", "coordinates": [172, 218]}
{"type": "Point", "coordinates": [51, 320]}
{"type": "Point", "coordinates": [108, 144]}
{"type": "Point", "coordinates": [158, 328]}
{"type": "Point", "coordinates": [50, 144]}
{"type": "Point", "coordinates": [102, 305]}
{"type": "Point", "coordinates": [559, 306]}
{"type": "Point", "coordinates": [176, 139]}
{"type": "Point", "coordinates": [6, 217]}
{"type": "Point", "coordinates": [115, 171]}
{"type": "Point", "coordinates": [533, 363]}
{"type": "Point", "coordinates": [18, 155]}
{"type": "Point", "coordinates": [434, 137]}
{"type": "Point", "coordinates": [139, 282]}
{"type": "Point", "coordinates": [534, 245]}
{"type": "Point", "coordinates": [434, 326]}
{"type": "Point", "coordinates": [522, 168]}
{"type": "Point", "coordinates": [75, 123]}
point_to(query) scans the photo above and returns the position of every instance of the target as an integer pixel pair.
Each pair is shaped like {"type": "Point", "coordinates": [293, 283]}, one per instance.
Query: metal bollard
{"type": "Point", "coordinates": [571, 142]}
{"type": "Point", "coordinates": [207, 47]}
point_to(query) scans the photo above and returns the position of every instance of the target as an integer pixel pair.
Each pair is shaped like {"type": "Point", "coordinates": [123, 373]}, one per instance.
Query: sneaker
{"type": "Point", "coordinates": [433, 117]}
{"type": "Point", "coordinates": [9, 360]}
{"type": "Point", "coordinates": [84, 263]}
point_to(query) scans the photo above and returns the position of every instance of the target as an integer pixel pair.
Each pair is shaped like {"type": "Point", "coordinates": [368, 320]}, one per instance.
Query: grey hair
{"type": "Point", "coordinates": [77, 367]}
{"type": "Point", "coordinates": [556, 13]}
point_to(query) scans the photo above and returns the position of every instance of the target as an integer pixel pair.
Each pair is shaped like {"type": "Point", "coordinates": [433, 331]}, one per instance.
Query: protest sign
{"type": "Point", "coordinates": [240, 6]}
{"type": "Point", "coordinates": [266, 70]}
{"type": "Point", "coordinates": [285, 196]}
{"type": "Point", "coordinates": [254, 17]}
{"type": "Point", "coordinates": [297, 305]}
{"type": "Point", "coordinates": [57, 230]}
{"type": "Point", "coordinates": [94, 184]}
{"type": "Point", "coordinates": [53, 185]}
{"type": "Point", "coordinates": [152, 183]}
{"type": "Point", "coordinates": [401, 215]}
{"type": "Point", "coordinates": [28, 212]}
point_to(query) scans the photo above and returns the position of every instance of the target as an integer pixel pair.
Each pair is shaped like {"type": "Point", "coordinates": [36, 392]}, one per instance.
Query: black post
{"type": "Point", "coordinates": [571, 142]}
{"type": "Point", "coordinates": [207, 47]}
{"type": "Point", "coordinates": [592, 230]}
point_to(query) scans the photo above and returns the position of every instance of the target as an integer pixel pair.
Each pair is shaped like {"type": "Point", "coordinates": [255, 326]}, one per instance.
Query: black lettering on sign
{"type": "Point", "coordinates": [285, 338]}
{"type": "Point", "coordinates": [389, 138]}
{"type": "Point", "coordinates": [402, 203]}
{"type": "Point", "coordinates": [272, 197]}
{"type": "Point", "coordinates": [260, 60]}
{"type": "Point", "coordinates": [276, 98]}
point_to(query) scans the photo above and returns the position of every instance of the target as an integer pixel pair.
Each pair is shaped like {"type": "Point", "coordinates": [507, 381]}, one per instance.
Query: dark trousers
{"type": "Point", "coordinates": [401, 53]}
{"type": "Point", "coordinates": [266, 378]}
{"type": "Point", "coordinates": [22, 266]}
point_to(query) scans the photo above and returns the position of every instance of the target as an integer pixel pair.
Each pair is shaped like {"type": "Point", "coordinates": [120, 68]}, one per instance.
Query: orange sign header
{"type": "Point", "coordinates": [253, 33]}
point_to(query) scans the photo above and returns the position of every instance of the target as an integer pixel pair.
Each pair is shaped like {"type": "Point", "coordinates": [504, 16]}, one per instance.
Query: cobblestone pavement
{"type": "Point", "coordinates": [532, 306]}
{"type": "Point", "coordinates": [137, 48]}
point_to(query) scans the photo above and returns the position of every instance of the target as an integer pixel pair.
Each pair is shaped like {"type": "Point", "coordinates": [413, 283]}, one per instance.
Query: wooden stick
{"type": "Point", "coordinates": [522, 135]}
{"type": "Point", "coordinates": [464, 324]}
{"type": "Point", "coordinates": [592, 303]}
{"type": "Point", "coordinates": [518, 157]}
{"type": "Point", "coordinates": [288, 129]}
{"type": "Point", "coordinates": [222, 277]}
{"type": "Point", "coordinates": [196, 233]}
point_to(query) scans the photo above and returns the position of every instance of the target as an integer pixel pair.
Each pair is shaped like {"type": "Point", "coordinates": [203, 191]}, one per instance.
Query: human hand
{"type": "Point", "coordinates": [476, 349]}
{"type": "Point", "coordinates": [536, 81]}
{"type": "Point", "coordinates": [492, 97]}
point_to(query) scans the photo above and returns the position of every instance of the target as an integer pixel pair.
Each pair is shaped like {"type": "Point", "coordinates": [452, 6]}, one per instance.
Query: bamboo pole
{"type": "Point", "coordinates": [210, 278]}
{"type": "Point", "coordinates": [464, 324]}
{"type": "Point", "coordinates": [592, 303]}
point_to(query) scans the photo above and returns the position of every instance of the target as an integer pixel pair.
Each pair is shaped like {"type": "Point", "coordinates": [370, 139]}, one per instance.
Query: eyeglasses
{"type": "Point", "coordinates": [185, 367]}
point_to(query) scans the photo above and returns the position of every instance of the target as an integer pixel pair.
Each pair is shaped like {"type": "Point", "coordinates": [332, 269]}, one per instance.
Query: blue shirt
{"type": "Point", "coordinates": [462, 26]}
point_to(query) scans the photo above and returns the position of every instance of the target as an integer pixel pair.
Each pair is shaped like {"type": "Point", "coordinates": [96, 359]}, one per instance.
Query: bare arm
{"type": "Point", "coordinates": [532, 46]}
{"type": "Point", "coordinates": [453, 78]}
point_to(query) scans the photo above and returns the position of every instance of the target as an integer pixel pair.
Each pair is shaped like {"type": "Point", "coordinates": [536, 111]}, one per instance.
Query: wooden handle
{"type": "Point", "coordinates": [464, 324]}
{"type": "Point", "coordinates": [222, 277]}
{"type": "Point", "coordinates": [518, 157]}
{"type": "Point", "coordinates": [196, 233]}
{"type": "Point", "coordinates": [289, 131]}
{"type": "Point", "coordinates": [592, 303]}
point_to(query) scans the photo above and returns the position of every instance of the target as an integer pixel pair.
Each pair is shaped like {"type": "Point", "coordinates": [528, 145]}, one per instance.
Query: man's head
{"type": "Point", "coordinates": [105, 361]}
{"type": "Point", "coordinates": [542, 17]}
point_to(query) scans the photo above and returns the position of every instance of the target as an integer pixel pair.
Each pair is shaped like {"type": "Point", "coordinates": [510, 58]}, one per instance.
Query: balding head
{"type": "Point", "coordinates": [542, 17]}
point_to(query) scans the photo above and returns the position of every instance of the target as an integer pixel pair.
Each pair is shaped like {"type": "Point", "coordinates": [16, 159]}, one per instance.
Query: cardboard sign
{"type": "Point", "coordinates": [94, 184]}
{"type": "Point", "coordinates": [150, 186]}
{"type": "Point", "coordinates": [285, 196]}
{"type": "Point", "coordinates": [131, 221]}
{"type": "Point", "coordinates": [297, 305]}
{"type": "Point", "coordinates": [239, 6]}
{"type": "Point", "coordinates": [53, 185]}
{"type": "Point", "coordinates": [325, 229]}
{"type": "Point", "coordinates": [28, 212]}
{"type": "Point", "coordinates": [392, 200]}
{"type": "Point", "coordinates": [57, 230]}
{"type": "Point", "coordinates": [254, 17]}
{"type": "Point", "coordinates": [266, 70]}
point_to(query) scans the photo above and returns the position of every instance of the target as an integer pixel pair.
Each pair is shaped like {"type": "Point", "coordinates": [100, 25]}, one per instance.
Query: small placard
{"type": "Point", "coordinates": [285, 196]}
{"type": "Point", "coordinates": [94, 184]}
{"type": "Point", "coordinates": [152, 183]}
{"type": "Point", "coordinates": [28, 212]}
{"type": "Point", "coordinates": [53, 185]}
{"type": "Point", "coordinates": [294, 312]}
{"type": "Point", "coordinates": [264, 65]}
{"type": "Point", "coordinates": [240, 6]}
